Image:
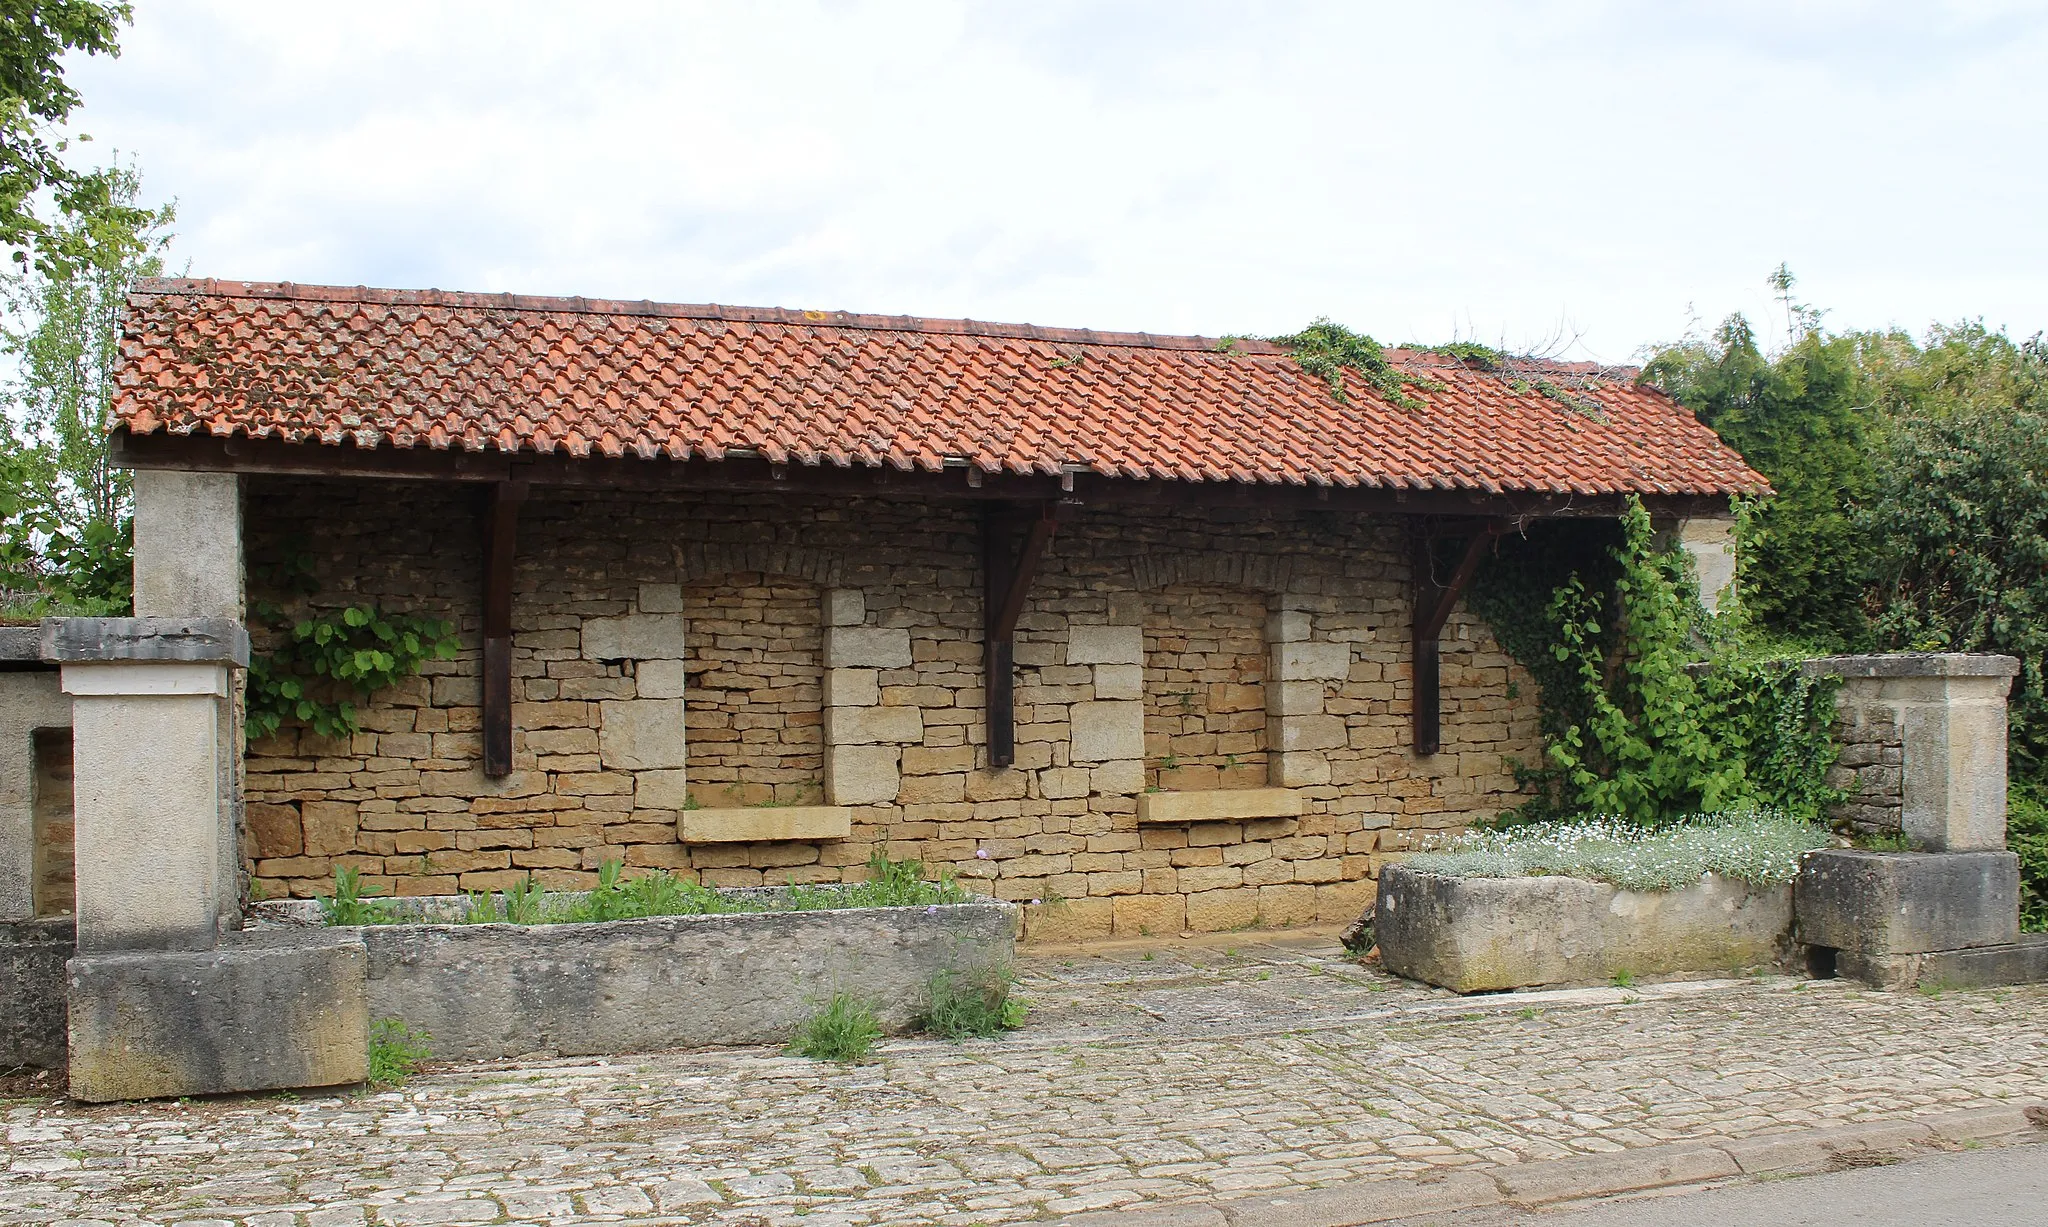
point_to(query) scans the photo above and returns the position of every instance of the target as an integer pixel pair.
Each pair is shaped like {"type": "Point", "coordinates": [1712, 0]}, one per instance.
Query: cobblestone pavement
{"type": "Point", "coordinates": [1174, 1072]}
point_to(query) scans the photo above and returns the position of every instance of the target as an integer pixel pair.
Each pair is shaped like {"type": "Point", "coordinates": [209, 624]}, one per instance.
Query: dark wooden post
{"type": "Point", "coordinates": [1434, 599]}
{"type": "Point", "coordinates": [1006, 580]}
{"type": "Point", "coordinates": [501, 529]}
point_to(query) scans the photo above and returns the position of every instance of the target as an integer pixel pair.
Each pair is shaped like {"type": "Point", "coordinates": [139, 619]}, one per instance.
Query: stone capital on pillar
{"type": "Point", "coordinates": [150, 737]}
{"type": "Point", "coordinates": [1948, 710]}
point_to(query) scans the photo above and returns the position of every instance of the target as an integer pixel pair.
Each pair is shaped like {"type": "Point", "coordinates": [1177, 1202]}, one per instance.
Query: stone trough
{"type": "Point", "coordinates": [503, 990]}
{"type": "Point", "coordinates": [1474, 935]}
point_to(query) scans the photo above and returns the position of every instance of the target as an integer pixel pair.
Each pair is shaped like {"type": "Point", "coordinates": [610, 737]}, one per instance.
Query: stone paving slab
{"type": "Point", "coordinates": [1179, 1074]}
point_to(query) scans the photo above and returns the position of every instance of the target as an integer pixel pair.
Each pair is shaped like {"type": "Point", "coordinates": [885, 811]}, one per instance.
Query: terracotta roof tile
{"type": "Point", "coordinates": [476, 371]}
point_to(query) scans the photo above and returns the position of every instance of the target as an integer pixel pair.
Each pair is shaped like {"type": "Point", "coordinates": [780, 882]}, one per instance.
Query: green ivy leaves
{"type": "Point", "coordinates": [358, 650]}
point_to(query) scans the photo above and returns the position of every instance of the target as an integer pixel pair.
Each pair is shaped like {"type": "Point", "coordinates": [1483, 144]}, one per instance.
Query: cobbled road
{"type": "Point", "coordinates": [1174, 1072]}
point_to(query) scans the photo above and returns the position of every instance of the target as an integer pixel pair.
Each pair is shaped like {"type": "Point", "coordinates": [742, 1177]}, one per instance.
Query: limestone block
{"type": "Point", "coordinates": [250, 1016]}
{"type": "Point", "coordinates": [188, 544]}
{"type": "Point", "coordinates": [853, 726]}
{"type": "Point", "coordinates": [32, 958]}
{"type": "Point", "coordinates": [1885, 903]}
{"type": "Point", "coordinates": [845, 607]}
{"type": "Point", "coordinates": [1483, 934]}
{"type": "Point", "coordinates": [766, 822]}
{"type": "Point", "coordinates": [330, 827]}
{"type": "Point", "coordinates": [1147, 915]}
{"type": "Point", "coordinates": [866, 647]}
{"type": "Point", "coordinates": [1122, 778]}
{"type": "Point", "coordinates": [1072, 920]}
{"type": "Point", "coordinates": [1294, 699]}
{"type": "Point", "coordinates": [862, 775]}
{"type": "Point", "coordinates": [660, 679]}
{"type": "Point", "coordinates": [661, 598]}
{"type": "Point", "coordinates": [1310, 733]}
{"type": "Point", "coordinates": [1298, 769]}
{"type": "Point", "coordinates": [642, 636]}
{"type": "Point", "coordinates": [1307, 662]}
{"type": "Point", "coordinates": [1216, 911]}
{"type": "Point", "coordinates": [1063, 783]}
{"type": "Point", "coordinates": [852, 688]}
{"type": "Point", "coordinates": [1105, 645]}
{"type": "Point", "coordinates": [1104, 730]}
{"type": "Point", "coordinates": [1289, 626]}
{"type": "Point", "coordinates": [1221, 805]}
{"type": "Point", "coordinates": [637, 734]}
{"type": "Point", "coordinates": [1710, 543]}
{"type": "Point", "coordinates": [661, 789]}
{"type": "Point", "coordinates": [1119, 681]}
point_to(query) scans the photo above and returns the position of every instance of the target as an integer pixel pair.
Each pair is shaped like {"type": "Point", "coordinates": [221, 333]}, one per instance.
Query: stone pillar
{"type": "Point", "coordinates": [148, 702]}
{"type": "Point", "coordinates": [1710, 541]}
{"type": "Point", "coordinates": [188, 564]}
{"type": "Point", "coordinates": [188, 545]}
{"type": "Point", "coordinates": [1106, 734]}
{"type": "Point", "coordinates": [864, 740]}
{"type": "Point", "coordinates": [1924, 735]}
{"type": "Point", "coordinates": [1299, 732]}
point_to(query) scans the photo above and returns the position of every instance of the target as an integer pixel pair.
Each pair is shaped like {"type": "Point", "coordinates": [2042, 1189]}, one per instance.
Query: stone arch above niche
{"type": "Point", "coordinates": [708, 559]}
{"type": "Point", "coordinates": [1232, 568]}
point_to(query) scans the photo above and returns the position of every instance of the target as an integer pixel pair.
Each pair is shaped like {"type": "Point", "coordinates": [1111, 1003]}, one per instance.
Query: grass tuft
{"type": "Point", "coordinates": [845, 1030]}
{"type": "Point", "coordinates": [396, 1052]}
{"type": "Point", "coordinates": [972, 1005]}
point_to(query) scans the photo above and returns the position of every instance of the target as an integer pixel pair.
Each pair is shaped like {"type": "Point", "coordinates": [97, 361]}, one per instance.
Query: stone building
{"type": "Point", "coordinates": [1157, 632]}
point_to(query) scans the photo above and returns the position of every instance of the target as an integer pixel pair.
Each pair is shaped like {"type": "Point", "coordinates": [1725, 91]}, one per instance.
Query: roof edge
{"type": "Point", "coordinates": [160, 287]}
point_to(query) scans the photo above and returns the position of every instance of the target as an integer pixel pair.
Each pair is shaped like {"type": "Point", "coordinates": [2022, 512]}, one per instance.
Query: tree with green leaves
{"type": "Point", "coordinates": [35, 103]}
{"type": "Point", "coordinates": [71, 530]}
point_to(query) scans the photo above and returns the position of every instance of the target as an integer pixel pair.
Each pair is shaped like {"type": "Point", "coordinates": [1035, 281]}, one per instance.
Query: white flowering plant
{"type": "Point", "coordinates": [1762, 847]}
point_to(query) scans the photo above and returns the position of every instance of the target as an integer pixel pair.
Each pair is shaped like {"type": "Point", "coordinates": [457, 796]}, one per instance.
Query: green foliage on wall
{"type": "Point", "coordinates": [1633, 730]}
{"type": "Point", "coordinates": [327, 661]}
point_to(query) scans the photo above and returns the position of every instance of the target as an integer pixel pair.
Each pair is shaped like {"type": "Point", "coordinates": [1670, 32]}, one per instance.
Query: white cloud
{"type": "Point", "coordinates": [1498, 170]}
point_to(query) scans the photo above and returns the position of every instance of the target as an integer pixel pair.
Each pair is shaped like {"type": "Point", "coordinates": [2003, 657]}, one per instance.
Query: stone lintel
{"type": "Point", "coordinates": [221, 641]}
{"type": "Point", "coordinates": [764, 822]}
{"type": "Point", "coordinates": [1218, 805]}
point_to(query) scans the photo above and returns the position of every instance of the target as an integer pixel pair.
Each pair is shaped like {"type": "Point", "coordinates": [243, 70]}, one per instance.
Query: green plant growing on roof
{"type": "Point", "coordinates": [1327, 349]}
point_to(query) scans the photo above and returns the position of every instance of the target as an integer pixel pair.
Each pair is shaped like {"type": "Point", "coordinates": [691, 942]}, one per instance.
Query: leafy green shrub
{"type": "Point", "coordinates": [2026, 826]}
{"type": "Point", "coordinates": [350, 904]}
{"type": "Point", "coordinates": [972, 1005]}
{"type": "Point", "coordinates": [845, 1030]}
{"type": "Point", "coordinates": [1637, 732]}
{"type": "Point", "coordinates": [396, 1052]}
{"type": "Point", "coordinates": [1759, 848]}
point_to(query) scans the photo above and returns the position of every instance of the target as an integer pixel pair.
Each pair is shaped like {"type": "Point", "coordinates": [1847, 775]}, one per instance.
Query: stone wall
{"type": "Point", "coordinates": [753, 657]}
{"type": "Point", "coordinates": [53, 869]}
{"type": "Point", "coordinates": [1871, 769]}
{"type": "Point", "coordinates": [1205, 688]}
{"type": "Point", "coordinates": [616, 595]}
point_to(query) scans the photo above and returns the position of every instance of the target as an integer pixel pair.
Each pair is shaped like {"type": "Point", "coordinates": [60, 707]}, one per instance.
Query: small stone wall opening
{"type": "Point", "coordinates": [54, 892]}
{"type": "Point", "coordinates": [1205, 688]}
{"type": "Point", "coordinates": [753, 703]}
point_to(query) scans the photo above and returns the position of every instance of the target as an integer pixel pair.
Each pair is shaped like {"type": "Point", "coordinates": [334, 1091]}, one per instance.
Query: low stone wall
{"type": "Point", "coordinates": [1483, 934]}
{"type": "Point", "coordinates": [32, 955]}
{"type": "Point", "coordinates": [503, 990]}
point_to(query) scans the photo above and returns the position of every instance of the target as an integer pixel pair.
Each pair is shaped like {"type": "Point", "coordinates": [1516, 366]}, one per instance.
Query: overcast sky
{"type": "Point", "coordinates": [1417, 170]}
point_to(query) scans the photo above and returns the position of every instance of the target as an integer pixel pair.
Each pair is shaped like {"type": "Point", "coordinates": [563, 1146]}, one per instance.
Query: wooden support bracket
{"type": "Point", "coordinates": [501, 530]}
{"type": "Point", "coordinates": [1434, 600]}
{"type": "Point", "coordinates": [1007, 573]}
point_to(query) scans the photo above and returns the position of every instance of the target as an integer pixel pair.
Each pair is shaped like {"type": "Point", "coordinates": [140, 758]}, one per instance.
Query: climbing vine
{"type": "Point", "coordinates": [1636, 727]}
{"type": "Point", "coordinates": [1327, 349]}
{"type": "Point", "coordinates": [326, 662]}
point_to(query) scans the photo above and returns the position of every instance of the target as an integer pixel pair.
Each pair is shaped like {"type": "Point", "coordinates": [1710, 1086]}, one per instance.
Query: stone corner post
{"type": "Point", "coordinates": [1924, 739]}
{"type": "Point", "coordinates": [149, 700]}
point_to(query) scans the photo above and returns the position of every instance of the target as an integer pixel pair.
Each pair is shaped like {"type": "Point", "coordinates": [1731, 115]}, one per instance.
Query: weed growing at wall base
{"type": "Point", "coordinates": [396, 1052]}
{"type": "Point", "coordinates": [972, 1005]}
{"type": "Point", "coordinates": [845, 1030]}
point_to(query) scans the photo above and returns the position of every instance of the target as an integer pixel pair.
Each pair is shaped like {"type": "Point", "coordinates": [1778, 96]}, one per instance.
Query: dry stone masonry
{"type": "Point", "coordinates": [754, 689]}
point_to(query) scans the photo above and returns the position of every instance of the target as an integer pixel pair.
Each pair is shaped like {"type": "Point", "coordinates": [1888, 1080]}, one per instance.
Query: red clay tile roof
{"type": "Point", "coordinates": [408, 369]}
